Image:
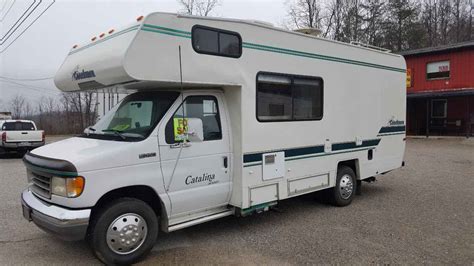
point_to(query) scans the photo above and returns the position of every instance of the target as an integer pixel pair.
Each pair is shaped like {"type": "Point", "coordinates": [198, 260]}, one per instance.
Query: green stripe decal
{"type": "Point", "coordinates": [390, 134]}
{"type": "Point", "coordinates": [255, 159]}
{"type": "Point", "coordinates": [166, 29]}
{"type": "Point", "coordinates": [317, 56]}
{"type": "Point", "coordinates": [254, 46]}
{"type": "Point", "coordinates": [167, 33]}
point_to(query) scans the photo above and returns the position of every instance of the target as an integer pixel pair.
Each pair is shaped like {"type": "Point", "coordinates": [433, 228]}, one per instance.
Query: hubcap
{"type": "Point", "coordinates": [346, 186]}
{"type": "Point", "coordinates": [126, 233]}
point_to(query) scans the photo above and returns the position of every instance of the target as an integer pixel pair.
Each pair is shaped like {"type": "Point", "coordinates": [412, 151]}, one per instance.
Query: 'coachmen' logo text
{"type": "Point", "coordinates": [197, 179]}
{"type": "Point", "coordinates": [77, 75]}
{"type": "Point", "coordinates": [395, 122]}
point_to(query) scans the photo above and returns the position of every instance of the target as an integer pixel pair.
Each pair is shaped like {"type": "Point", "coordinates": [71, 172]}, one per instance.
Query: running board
{"type": "Point", "coordinates": [200, 220]}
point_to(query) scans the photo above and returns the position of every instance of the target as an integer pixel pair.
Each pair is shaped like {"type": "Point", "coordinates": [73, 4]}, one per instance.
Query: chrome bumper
{"type": "Point", "coordinates": [64, 223]}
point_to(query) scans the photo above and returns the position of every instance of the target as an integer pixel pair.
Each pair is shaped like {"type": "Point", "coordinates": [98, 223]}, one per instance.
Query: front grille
{"type": "Point", "coordinates": [41, 185]}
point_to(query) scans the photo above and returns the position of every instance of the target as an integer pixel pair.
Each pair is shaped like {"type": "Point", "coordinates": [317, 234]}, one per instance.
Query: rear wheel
{"type": "Point", "coordinates": [346, 184]}
{"type": "Point", "coordinates": [124, 231]}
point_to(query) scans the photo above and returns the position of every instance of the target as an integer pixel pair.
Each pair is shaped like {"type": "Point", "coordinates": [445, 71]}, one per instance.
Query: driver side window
{"type": "Point", "coordinates": [204, 108]}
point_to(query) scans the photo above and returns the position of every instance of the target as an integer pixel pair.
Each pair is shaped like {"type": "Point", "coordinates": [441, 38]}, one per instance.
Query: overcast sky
{"type": "Point", "coordinates": [39, 52]}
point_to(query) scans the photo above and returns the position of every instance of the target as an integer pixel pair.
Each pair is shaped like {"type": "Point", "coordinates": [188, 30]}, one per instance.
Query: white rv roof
{"type": "Point", "coordinates": [146, 53]}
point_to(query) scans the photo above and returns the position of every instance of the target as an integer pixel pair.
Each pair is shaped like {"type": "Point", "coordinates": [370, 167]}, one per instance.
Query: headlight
{"type": "Point", "coordinates": [70, 187]}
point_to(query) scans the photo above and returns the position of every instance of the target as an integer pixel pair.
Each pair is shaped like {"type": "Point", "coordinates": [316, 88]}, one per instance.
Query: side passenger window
{"type": "Point", "coordinates": [201, 107]}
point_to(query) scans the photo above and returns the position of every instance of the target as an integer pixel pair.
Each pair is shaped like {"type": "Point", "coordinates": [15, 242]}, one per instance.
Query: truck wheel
{"type": "Point", "coordinates": [124, 231]}
{"type": "Point", "coordinates": [346, 184]}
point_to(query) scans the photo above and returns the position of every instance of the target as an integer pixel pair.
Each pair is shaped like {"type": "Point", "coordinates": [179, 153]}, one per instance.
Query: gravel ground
{"type": "Point", "coordinates": [420, 214]}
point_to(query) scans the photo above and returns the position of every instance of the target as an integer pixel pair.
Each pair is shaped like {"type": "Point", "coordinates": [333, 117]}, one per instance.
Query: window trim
{"type": "Point", "coordinates": [292, 77]}
{"type": "Point", "coordinates": [445, 108]}
{"type": "Point", "coordinates": [436, 61]}
{"type": "Point", "coordinates": [219, 31]}
{"type": "Point", "coordinates": [183, 102]}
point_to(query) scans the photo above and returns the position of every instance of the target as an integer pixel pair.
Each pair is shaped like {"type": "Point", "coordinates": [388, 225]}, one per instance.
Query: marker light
{"type": "Point", "coordinates": [139, 18]}
{"type": "Point", "coordinates": [111, 31]}
{"type": "Point", "coordinates": [70, 187]}
{"type": "Point", "coordinates": [93, 39]}
{"type": "Point", "coordinates": [101, 35]}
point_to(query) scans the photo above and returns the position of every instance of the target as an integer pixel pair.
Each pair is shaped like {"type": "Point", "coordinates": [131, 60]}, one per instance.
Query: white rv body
{"type": "Point", "coordinates": [362, 123]}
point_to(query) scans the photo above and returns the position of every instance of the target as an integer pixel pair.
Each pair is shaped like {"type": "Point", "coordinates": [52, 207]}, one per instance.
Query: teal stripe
{"type": "Point", "coordinates": [186, 34]}
{"type": "Point", "coordinates": [314, 155]}
{"type": "Point", "coordinates": [317, 56]}
{"type": "Point", "coordinates": [105, 39]}
{"type": "Point", "coordinates": [166, 29]}
{"type": "Point", "coordinates": [253, 164]}
{"type": "Point", "coordinates": [167, 33]}
{"type": "Point", "coordinates": [389, 134]}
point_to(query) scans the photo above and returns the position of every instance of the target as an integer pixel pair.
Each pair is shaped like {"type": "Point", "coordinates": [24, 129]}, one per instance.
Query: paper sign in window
{"type": "Point", "coordinates": [180, 126]}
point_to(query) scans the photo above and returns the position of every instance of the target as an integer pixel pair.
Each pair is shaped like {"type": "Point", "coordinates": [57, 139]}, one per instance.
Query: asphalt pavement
{"type": "Point", "coordinates": [420, 214]}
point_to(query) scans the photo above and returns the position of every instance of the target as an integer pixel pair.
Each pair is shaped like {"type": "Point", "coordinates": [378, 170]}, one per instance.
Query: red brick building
{"type": "Point", "coordinates": [440, 90]}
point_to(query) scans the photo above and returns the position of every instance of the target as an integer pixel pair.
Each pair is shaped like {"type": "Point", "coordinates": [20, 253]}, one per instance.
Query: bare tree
{"type": "Point", "coordinates": [373, 11]}
{"type": "Point", "coordinates": [198, 7]}
{"type": "Point", "coordinates": [333, 21]}
{"type": "Point", "coordinates": [304, 14]}
{"type": "Point", "coordinates": [17, 106]}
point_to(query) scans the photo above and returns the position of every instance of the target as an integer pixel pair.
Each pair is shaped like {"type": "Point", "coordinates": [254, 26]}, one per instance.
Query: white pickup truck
{"type": "Point", "coordinates": [20, 135]}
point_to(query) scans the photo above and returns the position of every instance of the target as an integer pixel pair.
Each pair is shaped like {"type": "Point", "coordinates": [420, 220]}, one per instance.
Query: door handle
{"type": "Point", "coordinates": [175, 146]}
{"type": "Point", "coordinates": [24, 133]}
{"type": "Point", "coordinates": [226, 163]}
{"type": "Point", "coordinates": [180, 145]}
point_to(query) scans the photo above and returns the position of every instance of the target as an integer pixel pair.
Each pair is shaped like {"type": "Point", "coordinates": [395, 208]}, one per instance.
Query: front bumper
{"type": "Point", "coordinates": [66, 224]}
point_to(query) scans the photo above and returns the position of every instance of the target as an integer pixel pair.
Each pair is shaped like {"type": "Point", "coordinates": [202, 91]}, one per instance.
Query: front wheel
{"type": "Point", "coordinates": [124, 232]}
{"type": "Point", "coordinates": [346, 183]}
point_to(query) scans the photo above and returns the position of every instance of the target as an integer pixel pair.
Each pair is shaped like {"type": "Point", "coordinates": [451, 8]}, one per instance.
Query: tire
{"type": "Point", "coordinates": [346, 184]}
{"type": "Point", "coordinates": [123, 232]}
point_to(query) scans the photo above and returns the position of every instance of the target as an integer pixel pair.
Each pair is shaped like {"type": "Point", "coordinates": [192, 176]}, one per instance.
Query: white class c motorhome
{"type": "Point", "coordinates": [224, 117]}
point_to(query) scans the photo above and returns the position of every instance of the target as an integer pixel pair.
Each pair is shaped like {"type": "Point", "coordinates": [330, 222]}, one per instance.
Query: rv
{"type": "Point", "coordinates": [223, 117]}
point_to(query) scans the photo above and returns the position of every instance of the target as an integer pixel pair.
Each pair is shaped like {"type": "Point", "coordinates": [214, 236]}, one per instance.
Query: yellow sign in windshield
{"type": "Point", "coordinates": [120, 127]}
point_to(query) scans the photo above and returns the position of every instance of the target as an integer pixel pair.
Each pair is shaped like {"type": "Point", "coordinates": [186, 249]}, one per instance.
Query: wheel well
{"type": "Point", "coordinates": [353, 164]}
{"type": "Point", "coordinates": [144, 193]}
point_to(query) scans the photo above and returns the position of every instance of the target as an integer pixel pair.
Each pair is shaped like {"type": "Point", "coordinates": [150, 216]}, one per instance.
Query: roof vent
{"type": "Point", "coordinates": [309, 31]}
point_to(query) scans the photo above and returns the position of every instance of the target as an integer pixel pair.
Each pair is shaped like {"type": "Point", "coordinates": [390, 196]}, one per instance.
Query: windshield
{"type": "Point", "coordinates": [134, 118]}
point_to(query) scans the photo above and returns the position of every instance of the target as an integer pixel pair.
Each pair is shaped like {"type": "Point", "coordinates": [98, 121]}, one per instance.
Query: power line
{"type": "Point", "coordinates": [28, 79]}
{"type": "Point", "coordinates": [6, 13]}
{"type": "Point", "coordinates": [3, 39]}
{"type": "Point", "coordinates": [38, 89]}
{"type": "Point", "coordinates": [54, 1]}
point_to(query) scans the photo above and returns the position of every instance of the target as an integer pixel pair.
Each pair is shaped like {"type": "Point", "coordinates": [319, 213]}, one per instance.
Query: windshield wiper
{"type": "Point", "coordinates": [92, 129]}
{"type": "Point", "coordinates": [116, 132]}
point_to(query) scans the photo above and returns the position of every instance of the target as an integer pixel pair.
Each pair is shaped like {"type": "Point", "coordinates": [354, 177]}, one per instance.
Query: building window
{"type": "Point", "coordinates": [439, 108]}
{"type": "Point", "coordinates": [437, 70]}
{"type": "Point", "coordinates": [282, 97]}
{"type": "Point", "coordinates": [218, 42]}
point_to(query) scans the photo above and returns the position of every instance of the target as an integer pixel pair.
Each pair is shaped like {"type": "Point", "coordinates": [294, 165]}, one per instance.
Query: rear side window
{"type": "Point", "coordinates": [282, 97]}
{"type": "Point", "coordinates": [218, 42]}
{"type": "Point", "coordinates": [17, 126]}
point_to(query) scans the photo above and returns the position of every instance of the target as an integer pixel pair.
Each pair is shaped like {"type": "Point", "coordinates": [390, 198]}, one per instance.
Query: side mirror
{"type": "Point", "coordinates": [195, 131]}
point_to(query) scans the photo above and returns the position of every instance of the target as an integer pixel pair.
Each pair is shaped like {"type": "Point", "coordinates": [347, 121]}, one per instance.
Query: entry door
{"type": "Point", "coordinates": [196, 174]}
